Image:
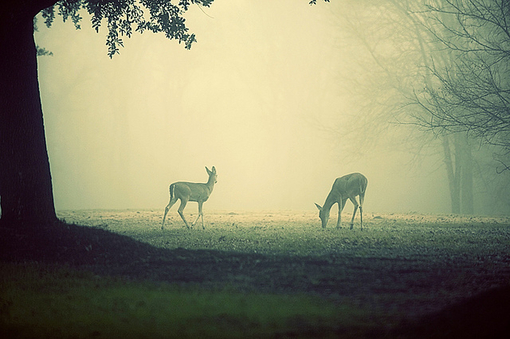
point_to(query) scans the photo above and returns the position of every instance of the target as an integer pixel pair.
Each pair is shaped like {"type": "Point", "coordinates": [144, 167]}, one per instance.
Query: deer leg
{"type": "Point", "coordinates": [361, 216]}
{"type": "Point", "coordinates": [361, 199]}
{"type": "Point", "coordinates": [355, 203]}
{"type": "Point", "coordinates": [202, 214]}
{"type": "Point", "coordinates": [181, 210]}
{"type": "Point", "coordinates": [339, 221]}
{"type": "Point", "coordinates": [341, 204]}
{"type": "Point", "coordinates": [167, 208]}
{"type": "Point", "coordinates": [199, 214]}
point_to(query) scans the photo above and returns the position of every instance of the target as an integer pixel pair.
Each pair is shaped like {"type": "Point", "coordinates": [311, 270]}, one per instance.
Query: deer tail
{"type": "Point", "coordinates": [363, 186]}
{"type": "Point", "coordinates": [172, 189]}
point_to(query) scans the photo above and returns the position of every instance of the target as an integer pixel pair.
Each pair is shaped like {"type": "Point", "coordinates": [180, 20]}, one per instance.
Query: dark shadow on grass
{"type": "Point", "coordinates": [107, 253]}
{"type": "Point", "coordinates": [486, 315]}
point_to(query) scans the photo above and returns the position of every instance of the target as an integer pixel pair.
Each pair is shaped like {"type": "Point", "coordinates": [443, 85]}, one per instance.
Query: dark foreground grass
{"type": "Point", "coordinates": [55, 301]}
{"type": "Point", "coordinates": [275, 276]}
{"type": "Point", "coordinates": [50, 301]}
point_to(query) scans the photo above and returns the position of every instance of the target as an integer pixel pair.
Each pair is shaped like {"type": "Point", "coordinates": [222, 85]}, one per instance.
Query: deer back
{"type": "Point", "coordinates": [350, 185]}
{"type": "Point", "coordinates": [192, 191]}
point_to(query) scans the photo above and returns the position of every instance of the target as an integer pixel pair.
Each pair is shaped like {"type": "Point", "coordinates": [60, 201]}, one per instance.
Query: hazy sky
{"type": "Point", "coordinates": [256, 97]}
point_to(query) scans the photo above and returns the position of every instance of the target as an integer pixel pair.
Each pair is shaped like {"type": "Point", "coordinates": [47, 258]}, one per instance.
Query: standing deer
{"type": "Point", "coordinates": [191, 191]}
{"type": "Point", "coordinates": [346, 187]}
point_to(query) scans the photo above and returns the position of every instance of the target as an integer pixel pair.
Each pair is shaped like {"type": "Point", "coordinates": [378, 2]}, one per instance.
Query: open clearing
{"type": "Point", "coordinates": [381, 281]}
{"type": "Point", "coordinates": [399, 264]}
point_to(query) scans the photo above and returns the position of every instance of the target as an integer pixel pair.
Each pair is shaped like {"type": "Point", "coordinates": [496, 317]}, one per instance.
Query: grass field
{"type": "Point", "coordinates": [54, 302]}
{"type": "Point", "coordinates": [263, 274]}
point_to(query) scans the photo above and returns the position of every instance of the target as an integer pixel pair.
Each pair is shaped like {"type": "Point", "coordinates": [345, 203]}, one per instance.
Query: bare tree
{"type": "Point", "coordinates": [471, 93]}
{"type": "Point", "coordinates": [406, 45]}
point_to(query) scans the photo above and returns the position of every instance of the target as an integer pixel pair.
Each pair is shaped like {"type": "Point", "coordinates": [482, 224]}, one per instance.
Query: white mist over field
{"type": "Point", "coordinates": [257, 96]}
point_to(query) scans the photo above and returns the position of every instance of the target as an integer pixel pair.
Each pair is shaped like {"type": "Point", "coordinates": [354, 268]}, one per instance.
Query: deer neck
{"type": "Point", "coordinates": [330, 201]}
{"type": "Point", "coordinates": [210, 185]}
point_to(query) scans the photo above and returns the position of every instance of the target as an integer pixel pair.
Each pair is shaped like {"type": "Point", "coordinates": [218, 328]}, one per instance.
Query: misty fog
{"type": "Point", "coordinates": [259, 96]}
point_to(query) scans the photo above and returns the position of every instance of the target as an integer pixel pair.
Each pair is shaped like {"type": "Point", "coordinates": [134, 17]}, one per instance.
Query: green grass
{"type": "Point", "coordinates": [398, 268]}
{"type": "Point", "coordinates": [45, 301]}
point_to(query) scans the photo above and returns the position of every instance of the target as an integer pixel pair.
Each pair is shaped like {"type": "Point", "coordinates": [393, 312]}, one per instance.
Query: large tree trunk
{"type": "Point", "coordinates": [25, 180]}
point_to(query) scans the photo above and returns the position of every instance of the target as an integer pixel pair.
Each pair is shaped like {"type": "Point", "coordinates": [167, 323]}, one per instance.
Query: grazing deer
{"type": "Point", "coordinates": [190, 191]}
{"type": "Point", "coordinates": [346, 187]}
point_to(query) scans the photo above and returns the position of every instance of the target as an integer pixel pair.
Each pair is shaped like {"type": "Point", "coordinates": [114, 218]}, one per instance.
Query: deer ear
{"type": "Point", "coordinates": [319, 207]}
{"type": "Point", "coordinates": [214, 170]}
